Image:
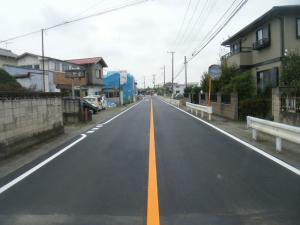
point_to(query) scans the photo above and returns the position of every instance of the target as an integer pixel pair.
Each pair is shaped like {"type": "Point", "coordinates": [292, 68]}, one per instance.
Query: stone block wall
{"type": "Point", "coordinates": [27, 121]}
{"type": "Point", "coordinates": [227, 110]}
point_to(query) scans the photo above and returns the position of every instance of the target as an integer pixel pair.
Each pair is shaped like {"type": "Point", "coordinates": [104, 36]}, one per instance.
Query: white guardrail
{"type": "Point", "coordinates": [202, 108]}
{"type": "Point", "coordinates": [279, 130]}
{"type": "Point", "coordinates": [171, 101]}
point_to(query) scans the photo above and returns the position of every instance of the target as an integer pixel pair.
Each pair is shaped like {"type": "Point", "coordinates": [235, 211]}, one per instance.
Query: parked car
{"type": "Point", "coordinates": [94, 100]}
{"type": "Point", "coordinates": [91, 107]}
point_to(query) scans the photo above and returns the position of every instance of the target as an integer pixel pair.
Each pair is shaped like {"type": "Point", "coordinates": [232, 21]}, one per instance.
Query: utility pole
{"type": "Point", "coordinates": [164, 68]}
{"type": "Point", "coordinates": [185, 71]}
{"type": "Point", "coordinates": [153, 80]}
{"type": "Point", "coordinates": [172, 52]}
{"type": "Point", "coordinates": [144, 82]}
{"type": "Point", "coordinates": [43, 60]}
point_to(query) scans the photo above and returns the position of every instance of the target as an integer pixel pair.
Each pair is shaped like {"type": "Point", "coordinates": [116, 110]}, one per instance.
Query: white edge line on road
{"type": "Point", "coordinates": [95, 128]}
{"type": "Point", "coordinates": [41, 164]}
{"type": "Point", "coordinates": [274, 159]}
{"type": "Point", "coordinates": [38, 166]}
{"type": "Point", "coordinates": [90, 131]}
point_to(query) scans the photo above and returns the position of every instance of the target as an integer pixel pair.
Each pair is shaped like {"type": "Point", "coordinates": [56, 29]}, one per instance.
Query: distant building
{"type": "Point", "coordinates": [179, 89]}
{"type": "Point", "coordinates": [33, 61]}
{"type": "Point", "coordinates": [52, 66]}
{"type": "Point", "coordinates": [94, 73]}
{"type": "Point", "coordinates": [120, 87]}
{"type": "Point", "coordinates": [260, 46]}
{"type": "Point", "coordinates": [169, 86]}
{"type": "Point", "coordinates": [32, 79]}
{"type": "Point", "coordinates": [90, 84]}
{"type": "Point", "coordinates": [7, 57]}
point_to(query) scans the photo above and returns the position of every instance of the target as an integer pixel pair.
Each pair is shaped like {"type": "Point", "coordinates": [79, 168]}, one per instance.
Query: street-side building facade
{"type": "Point", "coordinates": [261, 45]}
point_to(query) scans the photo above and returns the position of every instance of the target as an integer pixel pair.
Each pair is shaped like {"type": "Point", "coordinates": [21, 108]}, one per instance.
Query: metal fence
{"type": "Point", "coordinates": [290, 104]}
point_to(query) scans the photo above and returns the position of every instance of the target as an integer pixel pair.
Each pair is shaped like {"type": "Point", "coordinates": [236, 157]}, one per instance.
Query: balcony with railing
{"type": "Point", "coordinates": [241, 58]}
{"type": "Point", "coordinates": [262, 43]}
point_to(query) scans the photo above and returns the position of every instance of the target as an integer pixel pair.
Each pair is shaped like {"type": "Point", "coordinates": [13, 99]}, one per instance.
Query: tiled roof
{"type": "Point", "coordinates": [86, 61]}
{"type": "Point", "coordinates": [7, 53]}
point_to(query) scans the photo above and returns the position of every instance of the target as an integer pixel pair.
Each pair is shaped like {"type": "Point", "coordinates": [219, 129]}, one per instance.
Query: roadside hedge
{"type": "Point", "coordinates": [257, 107]}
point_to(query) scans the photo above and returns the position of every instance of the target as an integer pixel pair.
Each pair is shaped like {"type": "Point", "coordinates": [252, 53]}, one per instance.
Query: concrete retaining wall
{"type": "Point", "coordinates": [229, 111]}
{"type": "Point", "coordinates": [28, 121]}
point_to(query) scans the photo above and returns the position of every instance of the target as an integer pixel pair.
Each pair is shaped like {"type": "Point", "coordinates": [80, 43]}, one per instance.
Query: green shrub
{"type": "Point", "coordinates": [195, 94]}
{"type": "Point", "coordinates": [242, 84]}
{"type": "Point", "coordinates": [215, 84]}
{"type": "Point", "coordinates": [257, 107]}
{"type": "Point", "coordinates": [8, 83]}
{"type": "Point", "coordinates": [187, 91]}
{"type": "Point", "coordinates": [227, 74]}
{"type": "Point", "coordinates": [291, 72]}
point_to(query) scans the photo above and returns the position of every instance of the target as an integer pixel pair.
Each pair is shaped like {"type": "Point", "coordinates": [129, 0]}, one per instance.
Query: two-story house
{"type": "Point", "coordinates": [261, 45]}
{"type": "Point", "coordinates": [94, 73]}
{"type": "Point", "coordinates": [58, 68]}
{"type": "Point", "coordinates": [33, 61]}
{"type": "Point", "coordinates": [7, 57]}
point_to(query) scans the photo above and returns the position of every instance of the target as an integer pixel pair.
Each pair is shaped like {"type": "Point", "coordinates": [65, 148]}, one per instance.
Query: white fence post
{"type": "Point", "coordinates": [254, 134]}
{"type": "Point", "coordinates": [202, 108]}
{"type": "Point", "coordinates": [278, 130]}
{"type": "Point", "coordinates": [278, 144]}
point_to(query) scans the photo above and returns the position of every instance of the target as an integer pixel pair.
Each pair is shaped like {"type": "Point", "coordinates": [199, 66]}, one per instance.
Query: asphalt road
{"type": "Point", "coordinates": [203, 177]}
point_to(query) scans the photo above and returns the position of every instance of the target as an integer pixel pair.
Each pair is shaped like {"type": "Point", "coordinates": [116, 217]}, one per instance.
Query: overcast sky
{"type": "Point", "coordinates": [135, 39]}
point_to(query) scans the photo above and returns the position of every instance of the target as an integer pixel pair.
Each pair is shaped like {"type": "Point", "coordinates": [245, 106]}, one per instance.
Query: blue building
{"type": "Point", "coordinates": [120, 87]}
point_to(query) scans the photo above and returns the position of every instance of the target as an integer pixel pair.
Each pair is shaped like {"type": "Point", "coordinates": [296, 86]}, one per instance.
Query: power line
{"type": "Point", "coordinates": [21, 36]}
{"type": "Point", "coordinates": [88, 8]}
{"type": "Point", "coordinates": [220, 19]}
{"type": "Point", "coordinates": [214, 33]}
{"type": "Point", "coordinates": [201, 25]}
{"type": "Point", "coordinates": [188, 37]}
{"type": "Point", "coordinates": [183, 21]}
{"type": "Point", "coordinates": [78, 19]}
{"type": "Point", "coordinates": [97, 14]}
{"type": "Point", "coordinates": [221, 27]}
{"type": "Point", "coordinates": [190, 21]}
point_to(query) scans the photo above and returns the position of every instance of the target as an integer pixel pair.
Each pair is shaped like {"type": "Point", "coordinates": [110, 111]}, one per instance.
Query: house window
{"type": "Point", "coordinates": [262, 37]}
{"type": "Point", "coordinates": [267, 78]}
{"type": "Point", "coordinates": [65, 67]}
{"type": "Point", "coordinates": [259, 34]}
{"type": "Point", "coordinates": [235, 47]}
{"type": "Point", "coordinates": [298, 27]}
{"type": "Point", "coordinates": [98, 73]}
{"type": "Point", "coordinates": [37, 67]}
{"type": "Point", "coordinates": [57, 66]}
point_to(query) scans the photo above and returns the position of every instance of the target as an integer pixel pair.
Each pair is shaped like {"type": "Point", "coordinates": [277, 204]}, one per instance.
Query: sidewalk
{"type": "Point", "coordinates": [290, 152]}
{"type": "Point", "coordinates": [17, 161]}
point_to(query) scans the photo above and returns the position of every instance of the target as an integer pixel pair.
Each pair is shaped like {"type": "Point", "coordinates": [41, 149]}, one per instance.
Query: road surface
{"type": "Point", "coordinates": [110, 176]}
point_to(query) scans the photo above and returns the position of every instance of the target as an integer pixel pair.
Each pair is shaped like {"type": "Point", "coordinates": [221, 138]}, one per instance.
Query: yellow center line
{"type": "Point", "coordinates": [152, 201]}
